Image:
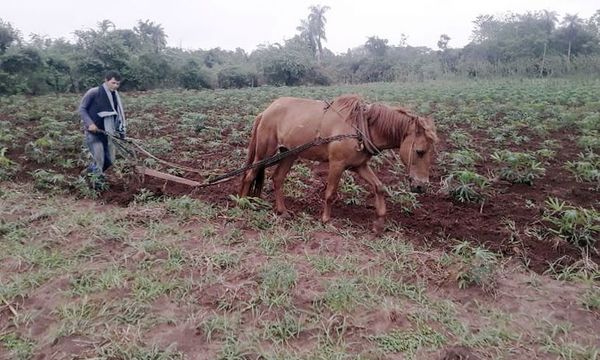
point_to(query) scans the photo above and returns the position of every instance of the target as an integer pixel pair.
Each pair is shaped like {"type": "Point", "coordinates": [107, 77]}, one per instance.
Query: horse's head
{"type": "Point", "coordinates": [417, 150]}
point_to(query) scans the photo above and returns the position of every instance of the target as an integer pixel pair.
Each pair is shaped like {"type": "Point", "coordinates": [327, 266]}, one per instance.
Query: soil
{"type": "Point", "coordinates": [439, 221]}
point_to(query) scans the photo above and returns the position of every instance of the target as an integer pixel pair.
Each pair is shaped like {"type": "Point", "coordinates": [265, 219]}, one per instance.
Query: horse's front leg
{"type": "Point", "coordinates": [333, 179]}
{"type": "Point", "coordinates": [367, 173]}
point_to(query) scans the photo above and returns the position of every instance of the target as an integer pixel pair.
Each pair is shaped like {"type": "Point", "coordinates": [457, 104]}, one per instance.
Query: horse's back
{"type": "Point", "coordinates": [293, 121]}
{"type": "Point", "coordinates": [291, 109]}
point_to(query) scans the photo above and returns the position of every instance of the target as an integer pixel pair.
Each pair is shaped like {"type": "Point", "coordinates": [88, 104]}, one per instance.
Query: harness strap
{"type": "Point", "coordinates": [362, 130]}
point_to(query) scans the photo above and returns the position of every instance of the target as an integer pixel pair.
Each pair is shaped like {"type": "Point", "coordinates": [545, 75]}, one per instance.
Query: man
{"type": "Point", "coordinates": [102, 113]}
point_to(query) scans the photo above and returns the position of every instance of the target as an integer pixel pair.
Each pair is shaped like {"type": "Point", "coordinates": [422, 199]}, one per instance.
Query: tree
{"type": "Point", "coordinates": [8, 36]}
{"type": "Point", "coordinates": [549, 19]}
{"type": "Point", "coordinates": [403, 40]}
{"type": "Point", "coordinates": [594, 23]}
{"type": "Point", "coordinates": [572, 25]}
{"type": "Point", "coordinates": [443, 46]}
{"type": "Point", "coordinates": [317, 21]}
{"type": "Point", "coordinates": [312, 30]}
{"type": "Point", "coordinates": [152, 35]}
{"type": "Point", "coordinates": [105, 26]}
{"type": "Point", "coordinates": [307, 37]}
{"type": "Point", "coordinates": [376, 46]}
{"type": "Point", "coordinates": [194, 77]}
{"type": "Point", "coordinates": [443, 42]}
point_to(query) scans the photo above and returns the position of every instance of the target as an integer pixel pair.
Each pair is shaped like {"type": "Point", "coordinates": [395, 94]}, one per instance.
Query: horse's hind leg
{"type": "Point", "coordinates": [278, 179]}
{"type": "Point", "coordinates": [252, 181]}
{"type": "Point", "coordinates": [367, 173]}
{"type": "Point", "coordinates": [247, 182]}
{"type": "Point", "coordinates": [333, 179]}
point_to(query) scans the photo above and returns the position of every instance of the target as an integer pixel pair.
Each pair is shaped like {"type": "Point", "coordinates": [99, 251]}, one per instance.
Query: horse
{"type": "Point", "coordinates": [291, 122]}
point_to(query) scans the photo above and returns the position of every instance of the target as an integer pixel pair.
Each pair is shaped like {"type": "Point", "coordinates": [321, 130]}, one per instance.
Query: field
{"type": "Point", "coordinates": [499, 259]}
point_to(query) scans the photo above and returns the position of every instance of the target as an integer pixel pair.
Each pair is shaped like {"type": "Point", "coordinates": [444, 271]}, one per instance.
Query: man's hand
{"type": "Point", "coordinates": [92, 128]}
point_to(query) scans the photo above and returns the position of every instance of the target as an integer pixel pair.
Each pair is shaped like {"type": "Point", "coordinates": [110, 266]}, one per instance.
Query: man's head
{"type": "Point", "coordinates": [112, 79]}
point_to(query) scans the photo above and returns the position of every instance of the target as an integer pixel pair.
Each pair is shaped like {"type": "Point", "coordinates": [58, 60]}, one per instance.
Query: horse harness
{"type": "Point", "coordinates": [363, 135]}
{"type": "Point", "coordinates": [362, 130]}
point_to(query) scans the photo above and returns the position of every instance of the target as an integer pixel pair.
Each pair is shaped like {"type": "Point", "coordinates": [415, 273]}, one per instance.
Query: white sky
{"type": "Point", "coordinates": [204, 24]}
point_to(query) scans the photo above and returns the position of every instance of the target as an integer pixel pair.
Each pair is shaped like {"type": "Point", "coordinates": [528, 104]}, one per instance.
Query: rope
{"type": "Point", "coordinates": [230, 175]}
{"type": "Point", "coordinates": [278, 157]}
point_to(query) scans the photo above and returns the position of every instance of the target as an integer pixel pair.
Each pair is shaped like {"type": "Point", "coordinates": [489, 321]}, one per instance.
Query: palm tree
{"type": "Point", "coordinates": [105, 25]}
{"type": "Point", "coordinates": [316, 23]}
{"type": "Point", "coordinates": [549, 19]}
{"type": "Point", "coordinates": [572, 24]}
{"type": "Point", "coordinates": [307, 36]}
{"type": "Point", "coordinates": [152, 34]}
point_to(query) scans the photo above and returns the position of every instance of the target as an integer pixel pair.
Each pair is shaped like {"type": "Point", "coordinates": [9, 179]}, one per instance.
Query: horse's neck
{"type": "Point", "coordinates": [390, 138]}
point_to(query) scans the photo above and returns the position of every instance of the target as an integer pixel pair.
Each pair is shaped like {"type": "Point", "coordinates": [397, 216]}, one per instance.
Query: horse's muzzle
{"type": "Point", "coordinates": [418, 187]}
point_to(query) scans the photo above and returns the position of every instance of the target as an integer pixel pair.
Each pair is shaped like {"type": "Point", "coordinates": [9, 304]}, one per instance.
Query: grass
{"type": "Point", "coordinates": [410, 341]}
{"type": "Point", "coordinates": [283, 329]}
{"type": "Point", "coordinates": [100, 280]}
{"type": "Point", "coordinates": [140, 281]}
{"type": "Point", "coordinates": [277, 280]}
{"type": "Point", "coordinates": [343, 295]}
{"type": "Point", "coordinates": [219, 326]}
{"type": "Point", "coordinates": [476, 266]}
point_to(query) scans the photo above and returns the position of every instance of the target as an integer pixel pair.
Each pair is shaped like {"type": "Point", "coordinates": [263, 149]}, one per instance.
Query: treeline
{"type": "Point", "coordinates": [534, 44]}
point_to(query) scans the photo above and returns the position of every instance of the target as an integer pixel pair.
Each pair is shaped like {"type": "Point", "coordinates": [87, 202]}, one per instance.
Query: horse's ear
{"type": "Point", "coordinates": [428, 127]}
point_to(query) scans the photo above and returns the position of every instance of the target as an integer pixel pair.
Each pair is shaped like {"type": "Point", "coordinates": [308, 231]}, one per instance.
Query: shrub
{"type": "Point", "coordinates": [518, 168]}
{"type": "Point", "coordinates": [477, 266]}
{"type": "Point", "coordinates": [7, 167]}
{"type": "Point", "coordinates": [587, 168]}
{"type": "Point", "coordinates": [466, 186]}
{"type": "Point", "coordinates": [194, 77]}
{"type": "Point", "coordinates": [577, 225]}
{"type": "Point", "coordinates": [236, 77]}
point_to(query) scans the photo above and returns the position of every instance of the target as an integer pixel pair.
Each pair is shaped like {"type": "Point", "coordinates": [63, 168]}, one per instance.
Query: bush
{"type": "Point", "coordinates": [318, 76]}
{"type": "Point", "coordinates": [519, 168]}
{"type": "Point", "coordinates": [477, 266]}
{"type": "Point", "coordinates": [286, 68]}
{"type": "Point", "coordinates": [194, 77]}
{"type": "Point", "coordinates": [7, 167]}
{"type": "Point", "coordinates": [587, 168]}
{"type": "Point", "coordinates": [236, 77]}
{"type": "Point", "coordinates": [579, 226]}
{"type": "Point", "coordinates": [466, 186]}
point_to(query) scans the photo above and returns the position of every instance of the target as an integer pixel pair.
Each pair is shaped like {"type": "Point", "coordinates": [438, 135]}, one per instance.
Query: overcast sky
{"type": "Point", "coordinates": [204, 24]}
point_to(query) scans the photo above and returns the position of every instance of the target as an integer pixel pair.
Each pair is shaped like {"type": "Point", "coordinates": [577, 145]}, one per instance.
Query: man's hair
{"type": "Point", "coordinates": [112, 74]}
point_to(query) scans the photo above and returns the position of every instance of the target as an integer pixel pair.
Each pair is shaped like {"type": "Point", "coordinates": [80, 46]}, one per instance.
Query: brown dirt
{"type": "Point", "coordinates": [439, 219]}
{"type": "Point", "coordinates": [435, 224]}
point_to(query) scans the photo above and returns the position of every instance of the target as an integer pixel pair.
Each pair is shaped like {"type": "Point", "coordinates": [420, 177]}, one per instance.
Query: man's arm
{"type": "Point", "coordinates": [84, 106]}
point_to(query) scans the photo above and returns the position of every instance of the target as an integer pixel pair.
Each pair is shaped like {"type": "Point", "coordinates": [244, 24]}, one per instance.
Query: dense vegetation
{"type": "Point", "coordinates": [534, 44]}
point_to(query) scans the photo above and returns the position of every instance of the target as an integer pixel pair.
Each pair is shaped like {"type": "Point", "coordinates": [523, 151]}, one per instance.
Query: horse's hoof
{"type": "Point", "coordinates": [378, 228]}
{"type": "Point", "coordinates": [286, 214]}
{"type": "Point", "coordinates": [377, 231]}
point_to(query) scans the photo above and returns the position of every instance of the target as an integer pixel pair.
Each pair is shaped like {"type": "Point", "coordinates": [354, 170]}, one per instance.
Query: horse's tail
{"type": "Point", "coordinates": [257, 183]}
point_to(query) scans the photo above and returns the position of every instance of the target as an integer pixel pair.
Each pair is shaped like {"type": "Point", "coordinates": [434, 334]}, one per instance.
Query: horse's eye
{"type": "Point", "coordinates": [420, 153]}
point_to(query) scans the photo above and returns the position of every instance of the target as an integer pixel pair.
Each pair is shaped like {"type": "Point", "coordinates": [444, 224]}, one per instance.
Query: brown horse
{"type": "Point", "coordinates": [291, 122]}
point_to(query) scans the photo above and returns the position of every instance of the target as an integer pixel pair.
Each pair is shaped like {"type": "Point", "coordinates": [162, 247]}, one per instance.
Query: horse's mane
{"type": "Point", "coordinates": [392, 122]}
